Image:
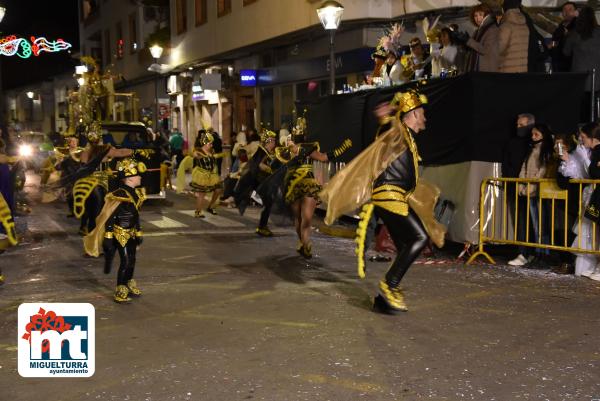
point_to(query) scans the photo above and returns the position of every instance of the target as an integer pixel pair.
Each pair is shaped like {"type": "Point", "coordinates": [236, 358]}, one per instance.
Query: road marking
{"type": "Point", "coordinates": [245, 230]}
{"type": "Point", "coordinates": [365, 387]}
{"type": "Point", "coordinates": [165, 222]}
{"type": "Point", "coordinates": [217, 221]}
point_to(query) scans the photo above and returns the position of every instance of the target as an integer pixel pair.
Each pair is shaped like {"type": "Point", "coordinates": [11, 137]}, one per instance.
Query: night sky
{"type": "Point", "coordinates": [52, 19]}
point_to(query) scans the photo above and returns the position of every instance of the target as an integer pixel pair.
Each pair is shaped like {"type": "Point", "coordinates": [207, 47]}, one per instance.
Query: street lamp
{"type": "Point", "coordinates": [2, 12]}
{"type": "Point", "coordinates": [330, 15]}
{"type": "Point", "coordinates": [30, 94]}
{"type": "Point", "coordinates": [156, 51]}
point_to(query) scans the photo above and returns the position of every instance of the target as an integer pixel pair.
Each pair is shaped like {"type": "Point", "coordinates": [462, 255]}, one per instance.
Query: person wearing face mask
{"type": "Point", "coordinates": [535, 165]}
{"type": "Point", "coordinates": [514, 155]}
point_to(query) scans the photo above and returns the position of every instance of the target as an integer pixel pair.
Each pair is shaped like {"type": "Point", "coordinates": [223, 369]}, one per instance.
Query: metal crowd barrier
{"type": "Point", "coordinates": [501, 208]}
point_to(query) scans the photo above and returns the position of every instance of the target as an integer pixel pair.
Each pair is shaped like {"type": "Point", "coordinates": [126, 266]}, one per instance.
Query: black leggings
{"type": "Point", "coordinates": [410, 238]}
{"type": "Point", "coordinates": [266, 212]}
{"type": "Point", "coordinates": [127, 256]}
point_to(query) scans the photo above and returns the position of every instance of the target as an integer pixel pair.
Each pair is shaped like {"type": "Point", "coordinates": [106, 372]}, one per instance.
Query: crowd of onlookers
{"type": "Point", "coordinates": [536, 153]}
{"type": "Point", "coordinates": [503, 41]}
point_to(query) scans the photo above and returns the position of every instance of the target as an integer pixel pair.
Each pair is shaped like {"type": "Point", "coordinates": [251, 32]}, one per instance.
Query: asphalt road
{"type": "Point", "coordinates": [226, 315]}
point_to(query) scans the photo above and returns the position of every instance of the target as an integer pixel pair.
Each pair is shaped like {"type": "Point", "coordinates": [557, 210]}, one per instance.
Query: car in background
{"type": "Point", "coordinates": [35, 147]}
{"type": "Point", "coordinates": [133, 135]}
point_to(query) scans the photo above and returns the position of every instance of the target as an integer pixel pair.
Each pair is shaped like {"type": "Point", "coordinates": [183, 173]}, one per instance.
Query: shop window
{"type": "Point", "coordinates": [200, 12]}
{"type": "Point", "coordinates": [181, 22]}
{"type": "Point", "coordinates": [133, 42]}
{"type": "Point", "coordinates": [267, 108]}
{"type": "Point", "coordinates": [223, 7]}
{"type": "Point", "coordinates": [120, 40]}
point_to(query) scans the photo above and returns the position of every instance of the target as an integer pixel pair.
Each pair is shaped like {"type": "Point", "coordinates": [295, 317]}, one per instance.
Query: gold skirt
{"type": "Point", "coordinates": [205, 181]}
{"type": "Point", "coordinates": [301, 183]}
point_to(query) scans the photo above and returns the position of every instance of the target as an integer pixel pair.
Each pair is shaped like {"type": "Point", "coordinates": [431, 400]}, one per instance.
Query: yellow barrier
{"type": "Point", "coordinates": [502, 195]}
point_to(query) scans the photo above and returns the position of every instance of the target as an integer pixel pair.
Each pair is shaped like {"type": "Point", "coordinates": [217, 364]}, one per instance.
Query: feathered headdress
{"type": "Point", "coordinates": [391, 40]}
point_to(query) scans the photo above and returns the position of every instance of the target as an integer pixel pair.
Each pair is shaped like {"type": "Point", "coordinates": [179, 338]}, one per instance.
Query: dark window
{"type": "Point", "coordinates": [223, 7]}
{"type": "Point", "coordinates": [200, 12]}
{"type": "Point", "coordinates": [181, 23]}
{"type": "Point", "coordinates": [133, 45]}
{"type": "Point", "coordinates": [120, 40]}
{"type": "Point", "coordinates": [107, 47]}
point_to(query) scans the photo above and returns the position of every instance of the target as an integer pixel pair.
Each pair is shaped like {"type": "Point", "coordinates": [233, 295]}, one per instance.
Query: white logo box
{"type": "Point", "coordinates": [49, 328]}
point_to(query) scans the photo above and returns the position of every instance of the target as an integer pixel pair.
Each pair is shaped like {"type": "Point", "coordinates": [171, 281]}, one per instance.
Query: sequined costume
{"type": "Point", "coordinates": [119, 229]}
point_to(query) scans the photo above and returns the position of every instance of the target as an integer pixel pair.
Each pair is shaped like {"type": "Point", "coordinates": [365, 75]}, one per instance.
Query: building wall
{"type": "Point", "coordinates": [133, 64]}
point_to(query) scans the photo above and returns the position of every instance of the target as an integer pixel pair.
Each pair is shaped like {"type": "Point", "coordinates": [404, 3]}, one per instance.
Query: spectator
{"type": "Point", "coordinates": [535, 166]}
{"type": "Point", "coordinates": [176, 142]}
{"type": "Point", "coordinates": [561, 62]}
{"type": "Point", "coordinates": [444, 58]}
{"type": "Point", "coordinates": [584, 44]}
{"type": "Point", "coordinates": [516, 149]}
{"type": "Point", "coordinates": [513, 39]}
{"type": "Point", "coordinates": [484, 43]}
{"type": "Point", "coordinates": [253, 142]}
{"type": "Point", "coordinates": [414, 64]}
{"type": "Point", "coordinates": [574, 165]}
{"type": "Point", "coordinates": [593, 129]}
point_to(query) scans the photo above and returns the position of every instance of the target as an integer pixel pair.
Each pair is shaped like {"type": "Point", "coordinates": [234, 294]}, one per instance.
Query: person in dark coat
{"type": "Point", "coordinates": [561, 62]}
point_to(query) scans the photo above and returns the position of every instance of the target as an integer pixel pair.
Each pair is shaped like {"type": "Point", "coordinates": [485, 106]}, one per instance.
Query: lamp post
{"type": "Point", "coordinates": [156, 51]}
{"type": "Point", "coordinates": [330, 15]}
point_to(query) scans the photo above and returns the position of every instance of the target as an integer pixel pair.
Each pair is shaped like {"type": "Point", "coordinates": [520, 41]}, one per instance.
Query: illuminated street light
{"type": "Point", "coordinates": [30, 94]}
{"type": "Point", "coordinates": [81, 69]}
{"type": "Point", "coordinates": [156, 51]}
{"type": "Point", "coordinates": [2, 12]}
{"type": "Point", "coordinates": [330, 15]}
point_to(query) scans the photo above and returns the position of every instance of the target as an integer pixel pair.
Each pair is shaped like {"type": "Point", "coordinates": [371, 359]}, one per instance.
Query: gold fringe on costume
{"type": "Point", "coordinates": [204, 180]}
{"type": "Point", "coordinates": [361, 236]}
{"type": "Point", "coordinates": [8, 222]}
{"type": "Point", "coordinates": [82, 190]}
{"type": "Point", "coordinates": [300, 183]}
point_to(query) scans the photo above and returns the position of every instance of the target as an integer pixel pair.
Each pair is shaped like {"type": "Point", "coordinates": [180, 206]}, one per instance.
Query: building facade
{"type": "Point", "coordinates": [118, 34]}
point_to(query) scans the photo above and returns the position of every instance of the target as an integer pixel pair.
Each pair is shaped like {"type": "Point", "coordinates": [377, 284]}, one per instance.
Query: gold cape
{"type": "Point", "coordinates": [7, 222]}
{"type": "Point", "coordinates": [352, 187]}
{"type": "Point", "coordinates": [92, 243]}
{"type": "Point", "coordinates": [186, 164]}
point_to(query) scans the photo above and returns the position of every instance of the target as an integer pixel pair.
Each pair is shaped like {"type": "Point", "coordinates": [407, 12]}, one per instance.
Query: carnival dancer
{"type": "Point", "coordinates": [7, 224]}
{"type": "Point", "coordinates": [300, 189]}
{"type": "Point", "coordinates": [258, 169]}
{"type": "Point", "coordinates": [119, 227]}
{"type": "Point", "coordinates": [91, 184]}
{"type": "Point", "coordinates": [385, 179]}
{"type": "Point", "coordinates": [69, 161]}
{"type": "Point", "coordinates": [205, 176]}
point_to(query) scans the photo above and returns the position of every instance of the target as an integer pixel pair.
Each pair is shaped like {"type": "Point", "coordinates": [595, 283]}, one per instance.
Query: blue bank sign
{"type": "Point", "coordinates": [248, 77]}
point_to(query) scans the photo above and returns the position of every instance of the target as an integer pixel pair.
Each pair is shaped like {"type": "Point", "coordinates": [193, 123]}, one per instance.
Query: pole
{"type": "Point", "coordinates": [156, 104]}
{"type": "Point", "coordinates": [592, 95]}
{"type": "Point", "coordinates": [331, 63]}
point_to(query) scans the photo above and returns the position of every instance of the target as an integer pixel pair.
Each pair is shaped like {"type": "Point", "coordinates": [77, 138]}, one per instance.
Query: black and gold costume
{"type": "Point", "coordinates": [119, 230]}
{"type": "Point", "coordinates": [300, 180]}
{"type": "Point", "coordinates": [385, 180]}
{"type": "Point", "coordinates": [258, 169]}
{"type": "Point", "coordinates": [205, 173]}
{"type": "Point", "coordinates": [68, 166]}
